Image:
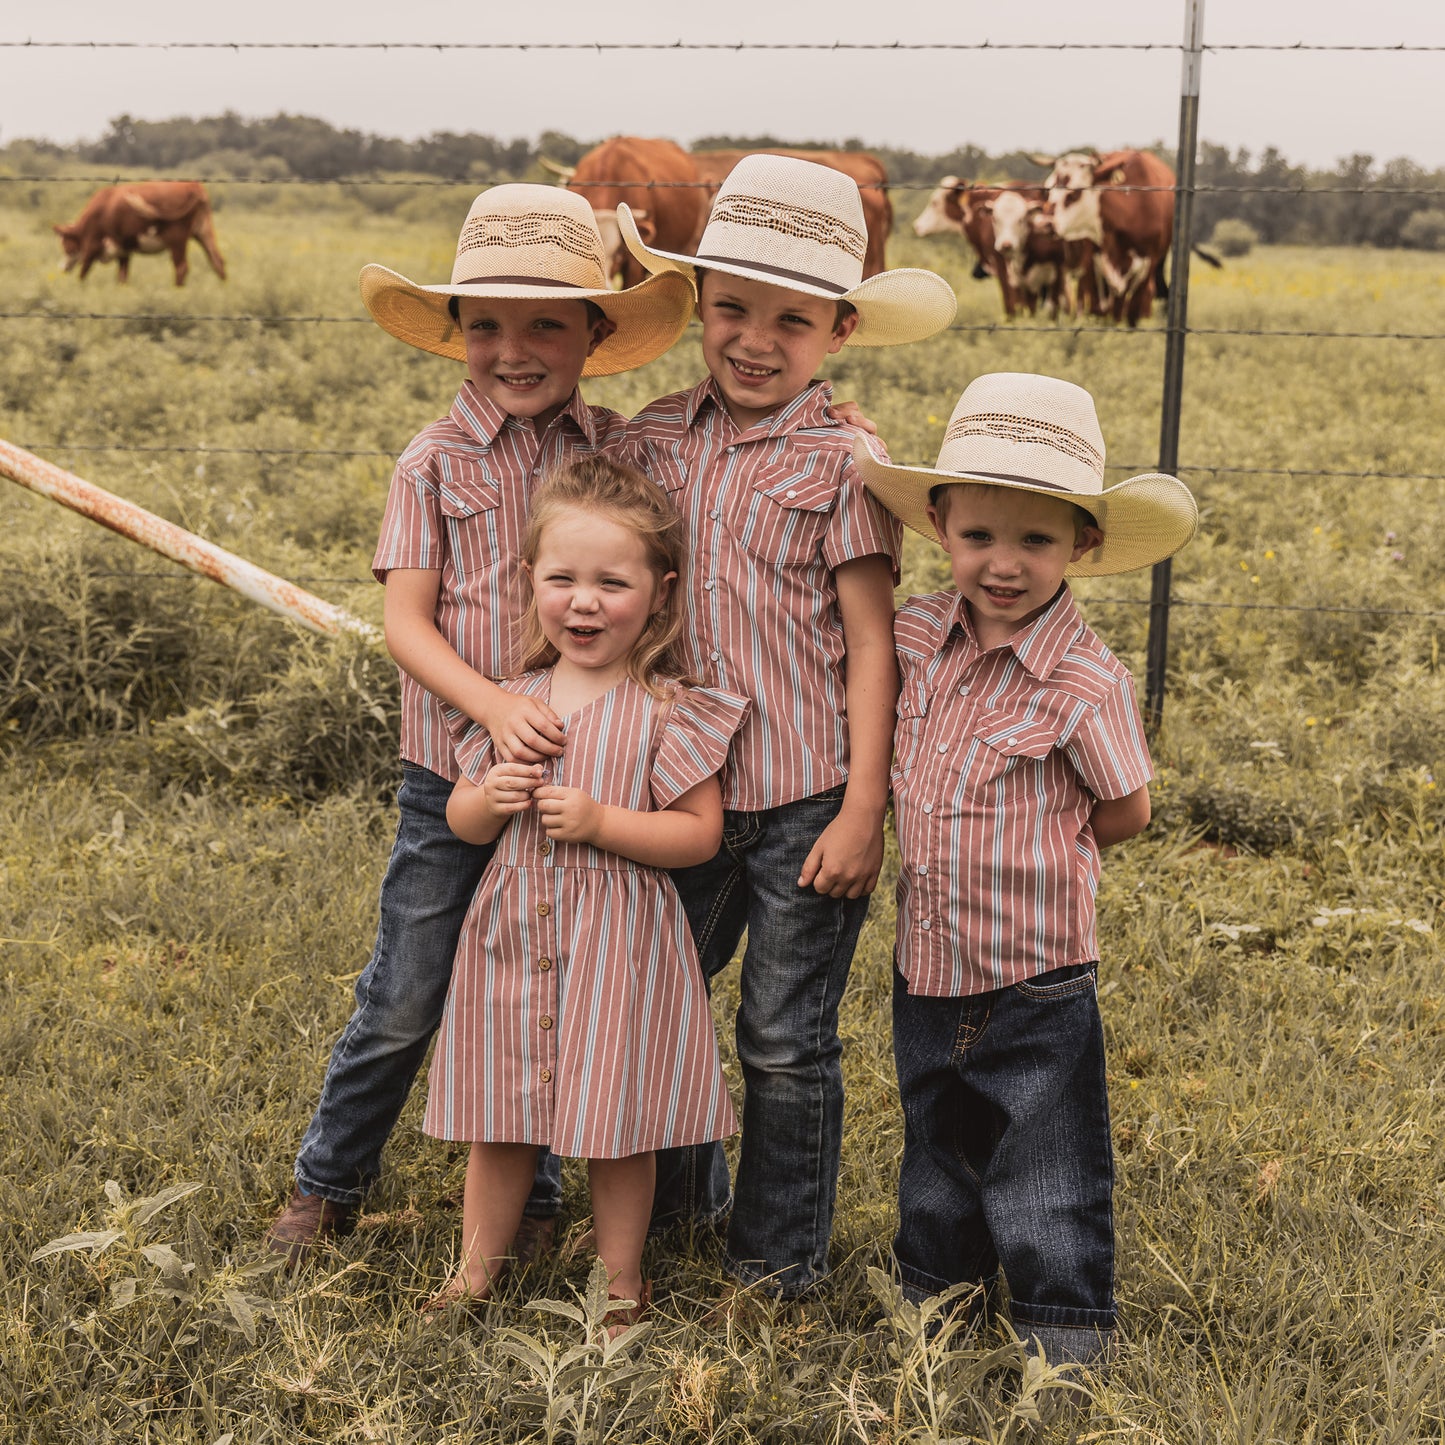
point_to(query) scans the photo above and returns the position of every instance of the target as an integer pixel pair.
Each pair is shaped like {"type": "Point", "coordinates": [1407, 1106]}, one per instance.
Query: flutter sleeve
{"type": "Point", "coordinates": [471, 744]}
{"type": "Point", "coordinates": [696, 736]}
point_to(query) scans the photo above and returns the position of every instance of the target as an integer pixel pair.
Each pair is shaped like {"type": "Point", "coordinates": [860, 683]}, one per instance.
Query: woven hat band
{"type": "Point", "coordinates": [521, 281]}
{"type": "Point", "coordinates": [549, 241]}
{"type": "Point", "coordinates": [1013, 428]}
{"type": "Point", "coordinates": [803, 278]}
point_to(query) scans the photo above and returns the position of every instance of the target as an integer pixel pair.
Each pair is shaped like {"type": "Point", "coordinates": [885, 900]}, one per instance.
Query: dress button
{"type": "Point", "coordinates": [545, 848]}
{"type": "Point", "coordinates": [943, 747]}
{"type": "Point", "coordinates": [791, 492]}
{"type": "Point", "coordinates": [714, 655]}
{"type": "Point", "coordinates": [1011, 742]}
{"type": "Point", "coordinates": [545, 1021]}
{"type": "Point", "coordinates": [545, 1076]}
{"type": "Point", "coordinates": [708, 585]}
{"type": "Point", "coordinates": [714, 514]}
{"type": "Point", "coordinates": [963, 689]}
{"type": "Point", "coordinates": [928, 807]}
{"type": "Point", "coordinates": [923, 870]}
{"type": "Point", "coordinates": [544, 909]}
{"type": "Point", "coordinates": [926, 925]}
{"type": "Point", "coordinates": [544, 964]}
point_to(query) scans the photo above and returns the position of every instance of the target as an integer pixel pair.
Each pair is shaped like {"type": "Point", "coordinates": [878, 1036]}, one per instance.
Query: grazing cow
{"type": "Point", "coordinates": [145, 217]}
{"type": "Point", "coordinates": [866, 170]}
{"type": "Point", "coordinates": [657, 179]}
{"type": "Point", "coordinates": [1031, 251]}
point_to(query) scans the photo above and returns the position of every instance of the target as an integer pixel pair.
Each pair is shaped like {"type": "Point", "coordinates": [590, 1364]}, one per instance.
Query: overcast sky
{"type": "Point", "coordinates": [1314, 107]}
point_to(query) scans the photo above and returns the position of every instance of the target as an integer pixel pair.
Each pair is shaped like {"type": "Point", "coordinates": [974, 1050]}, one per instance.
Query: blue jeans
{"type": "Point", "coordinates": [399, 998]}
{"type": "Point", "coordinates": [1007, 1159]}
{"type": "Point", "coordinates": [800, 947]}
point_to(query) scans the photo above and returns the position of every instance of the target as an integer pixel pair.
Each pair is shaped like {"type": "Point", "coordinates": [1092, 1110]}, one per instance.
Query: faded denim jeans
{"type": "Point", "coordinates": [400, 995]}
{"type": "Point", "coordinates": [1007, 1160]}
{"type": "Point", "coordinates": [799, 949]}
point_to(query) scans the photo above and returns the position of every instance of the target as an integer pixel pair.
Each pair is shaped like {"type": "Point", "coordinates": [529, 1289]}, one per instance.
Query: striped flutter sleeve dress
{"type": "Point", "coordinates": [577, 1016]}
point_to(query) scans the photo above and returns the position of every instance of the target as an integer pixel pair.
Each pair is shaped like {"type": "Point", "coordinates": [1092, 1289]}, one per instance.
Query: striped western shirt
{"type": "Point", "coordinates": [771, 513]}
{"type": "Point", "coordinates": [999, 759]}
{"type": "Point", "coordinates": [458, 504]}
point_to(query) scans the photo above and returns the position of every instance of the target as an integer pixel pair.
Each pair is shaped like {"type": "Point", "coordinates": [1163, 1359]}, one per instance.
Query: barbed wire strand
{"type": "Point", "coordinates": [604, 46]}
{"type": "Point", "coordinates": [988, 328]}
{"type": "Point", "coordinates": [651, 185]}
{"type": "Point", "coordinates": [60, 448]}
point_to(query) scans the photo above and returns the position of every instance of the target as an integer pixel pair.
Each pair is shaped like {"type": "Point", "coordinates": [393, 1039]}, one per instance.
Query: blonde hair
{"type": "Point", "coordinates": [624, 496]}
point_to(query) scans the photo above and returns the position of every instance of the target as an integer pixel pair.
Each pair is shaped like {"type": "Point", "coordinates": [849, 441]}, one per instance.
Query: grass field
{"type": "Point", "coordinates": [196, 815]}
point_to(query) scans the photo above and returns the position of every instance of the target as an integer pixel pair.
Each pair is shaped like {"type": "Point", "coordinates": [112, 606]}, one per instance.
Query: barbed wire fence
{"type": "Point", "coordinates": [1174, 333]}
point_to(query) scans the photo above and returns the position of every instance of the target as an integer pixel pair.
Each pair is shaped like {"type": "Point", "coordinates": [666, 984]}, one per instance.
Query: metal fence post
{"type": "Point", "coordinates": [1157, 654]}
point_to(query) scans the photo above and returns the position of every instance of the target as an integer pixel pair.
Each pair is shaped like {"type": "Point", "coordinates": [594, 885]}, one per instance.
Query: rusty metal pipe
{"type": "Point", "coordinates": [191, 551]}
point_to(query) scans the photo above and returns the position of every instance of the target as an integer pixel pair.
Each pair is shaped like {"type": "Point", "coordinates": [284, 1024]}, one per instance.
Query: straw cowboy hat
{"type": "Point", "coordinates": [799, 225]}
{"type": "Point", "coordinates": [1037, 434]}
{"type": "Point", "coordinates": [530, 243]}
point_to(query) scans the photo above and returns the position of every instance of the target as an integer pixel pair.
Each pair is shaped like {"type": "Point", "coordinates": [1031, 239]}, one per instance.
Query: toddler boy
{"type": "Point", "coordinates": [1019, 755]}
{"type": "Point", "coordinates": [790, 599]}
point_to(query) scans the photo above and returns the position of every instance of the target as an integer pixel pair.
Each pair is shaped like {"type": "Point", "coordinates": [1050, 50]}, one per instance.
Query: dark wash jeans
{"type": "Point", "coordinates": [800, 946]}
{"type": "Point", "coordinates": [1007, 1158]}
{"type": "Point", "coordinates": [399, 999]}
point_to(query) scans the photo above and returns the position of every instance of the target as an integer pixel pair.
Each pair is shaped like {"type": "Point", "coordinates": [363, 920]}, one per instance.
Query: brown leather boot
{"type": "Point", "coordinates": [306, 1221]}
{"type": "Point", "coordinates": [534, 1240]}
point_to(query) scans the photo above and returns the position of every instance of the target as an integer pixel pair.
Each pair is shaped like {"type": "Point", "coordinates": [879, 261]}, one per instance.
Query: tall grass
{"type": "Point", "coordinates": [195, 820]}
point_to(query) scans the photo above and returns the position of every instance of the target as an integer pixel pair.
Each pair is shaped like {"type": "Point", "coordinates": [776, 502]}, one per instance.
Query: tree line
{"type": "Point", "coordinates": [1359, 202]}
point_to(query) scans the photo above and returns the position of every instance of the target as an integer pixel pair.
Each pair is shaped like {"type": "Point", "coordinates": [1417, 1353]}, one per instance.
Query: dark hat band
{"type": "Point", "coordinates": [518, 281]}
{"type": "Point", "coordinates": [782, 271]}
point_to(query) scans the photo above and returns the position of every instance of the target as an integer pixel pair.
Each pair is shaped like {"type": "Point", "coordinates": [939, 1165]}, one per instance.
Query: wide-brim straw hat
{"type": "Point", "coordinates": [1031, 433]}
{"type": "Point", "coordinates": [529, 243]}
{"type": "Point", "coordinates": [799, 225]}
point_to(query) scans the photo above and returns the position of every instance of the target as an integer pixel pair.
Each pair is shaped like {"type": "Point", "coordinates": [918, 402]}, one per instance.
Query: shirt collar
{"type": "Point", "coordinates": [1040, 646]}
{"type": "Point", "coordinates": [812, 407]}
{"type": "Point", "coordinates": [482, 419]}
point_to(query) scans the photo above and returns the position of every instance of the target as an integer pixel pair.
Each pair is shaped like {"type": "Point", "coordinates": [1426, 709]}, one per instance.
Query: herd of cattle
{"type": "Point", "coordinates": [1090, 239]}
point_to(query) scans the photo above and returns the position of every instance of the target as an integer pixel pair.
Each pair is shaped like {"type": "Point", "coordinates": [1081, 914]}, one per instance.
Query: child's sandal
{"type": "Point", "coordinates": [454, 1294]}
{"type": "Point", "coordinates": [615, 1321]}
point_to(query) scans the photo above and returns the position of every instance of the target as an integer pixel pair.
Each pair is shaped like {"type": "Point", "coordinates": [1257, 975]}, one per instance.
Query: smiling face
{"type": "Point", "coordinates": [763, 344]}
{"type": "Point", "coordinates": [596, 589]}
{"type": "Point", "coordinates": [527, 356]}
{"type": "Point", "coordinates": [1008, 550]}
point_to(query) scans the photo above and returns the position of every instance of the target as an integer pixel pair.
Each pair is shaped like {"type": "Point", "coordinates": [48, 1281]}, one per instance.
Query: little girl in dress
{"type": "Point", "coordinates": [577, 1017]}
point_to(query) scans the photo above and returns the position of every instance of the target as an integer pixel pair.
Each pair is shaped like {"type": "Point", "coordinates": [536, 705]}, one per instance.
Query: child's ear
{"type": "Point", "coordinates": [938, 528]}
{"type": "Point", "coordinates": [842, 331]}
{"type": "Point", "coordinates": [601, 330]}
{"type": "Point", "coordinates": [1089, 538]}
{"type": "Point", "coordinates": [663, 591]}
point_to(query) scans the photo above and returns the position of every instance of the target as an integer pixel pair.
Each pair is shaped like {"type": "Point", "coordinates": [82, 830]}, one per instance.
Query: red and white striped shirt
{"type": "Point", "coordinates": [1000, 757]}
{"type": "Point", "coordinates": [771, 513]}
{"type": "Point", "coordinates": [459, 500]}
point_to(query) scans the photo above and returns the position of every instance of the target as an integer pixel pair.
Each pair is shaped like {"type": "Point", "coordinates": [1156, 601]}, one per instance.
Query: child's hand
{"type": "Point", "coordinates": [851, 414]}
{"type": "Point", "coordinates": [568, 814]}
{"type": "Point", "coordinates": [846, 859]}
{"type": "Point", "coordinates": [524, 729]}
{"type": "Point", "coordinates": [508, 787]}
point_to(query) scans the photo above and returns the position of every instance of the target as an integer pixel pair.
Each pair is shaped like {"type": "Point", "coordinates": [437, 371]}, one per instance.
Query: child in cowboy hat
{"type": "Point", "coordinates": [529, 311]}
{"type": "Point", "coordinates": [789, 602]}
{"type": "Point", "coordinates": [1020, 754]}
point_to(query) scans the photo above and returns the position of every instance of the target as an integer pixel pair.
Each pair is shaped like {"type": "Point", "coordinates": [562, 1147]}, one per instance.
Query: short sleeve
{"type": "Point", "coordinates": [471, 744]}
{"type": "Point", "coordinates": [696, 736]}
{"type": "Point", "coordinates": [1108, 748]}
{"type": "Point", "coordinates": [860, 526]}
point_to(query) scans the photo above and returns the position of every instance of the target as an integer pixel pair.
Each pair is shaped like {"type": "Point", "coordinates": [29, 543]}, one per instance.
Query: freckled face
{"type": "Point", "coordinates": [1008, 550]}
{"type": "Point", "coordinates": [763, 344]}
{"type": "Point", "coordinates": [527, 356]}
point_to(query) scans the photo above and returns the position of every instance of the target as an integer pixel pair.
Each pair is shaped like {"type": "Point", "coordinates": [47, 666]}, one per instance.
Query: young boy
{"type": "Point", "coordinates": [529, 310]}
{"type": "Point", "coordinates": [1020, 754]}
{"type": "Point", "coordinates": [789, 603]}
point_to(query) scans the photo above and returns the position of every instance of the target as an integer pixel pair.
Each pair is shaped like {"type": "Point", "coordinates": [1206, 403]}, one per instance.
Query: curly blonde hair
{"type": "Point", "coordinates": [622, 495]}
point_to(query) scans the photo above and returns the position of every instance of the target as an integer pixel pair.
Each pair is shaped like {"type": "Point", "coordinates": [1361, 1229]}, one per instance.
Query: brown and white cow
{"type": "Point", "coordinates": [657, 179]}
{"type": "Point", "coordinates": [867, 170]}
{"type": "Point", "coordinates": [1123, 203]}
{"type": "Point", "coordinates": [144, 217]}
{"type": "Point", "coordinates": [1031, 251]}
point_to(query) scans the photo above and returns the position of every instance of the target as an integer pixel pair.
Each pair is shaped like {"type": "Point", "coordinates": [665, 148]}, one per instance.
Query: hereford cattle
{"type": "Point", "coordinates": [1031, 251]}
{"type": "Point", "coordinates": [866, 170]}
{"type": "Point", "coordinates": [146, 217]}
{"type": "Point", "coordinates": [657, 179]}
{"type": "Point", "coordinates": [957, 205]}
{"type": "Point", "coordinates": [1123, 203]}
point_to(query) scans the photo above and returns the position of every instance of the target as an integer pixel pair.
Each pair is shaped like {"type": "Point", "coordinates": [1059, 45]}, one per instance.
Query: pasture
{"type": "Point", "coordinates": [195, 817]}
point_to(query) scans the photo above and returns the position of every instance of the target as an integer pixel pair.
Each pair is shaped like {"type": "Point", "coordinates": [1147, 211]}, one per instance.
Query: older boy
{"type": "Point", "coordinates": [1020, 755]}
{"type": "Point", "coordinates": [529, 310]}
{"type": "Point", "coordinates": [789, 603]}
